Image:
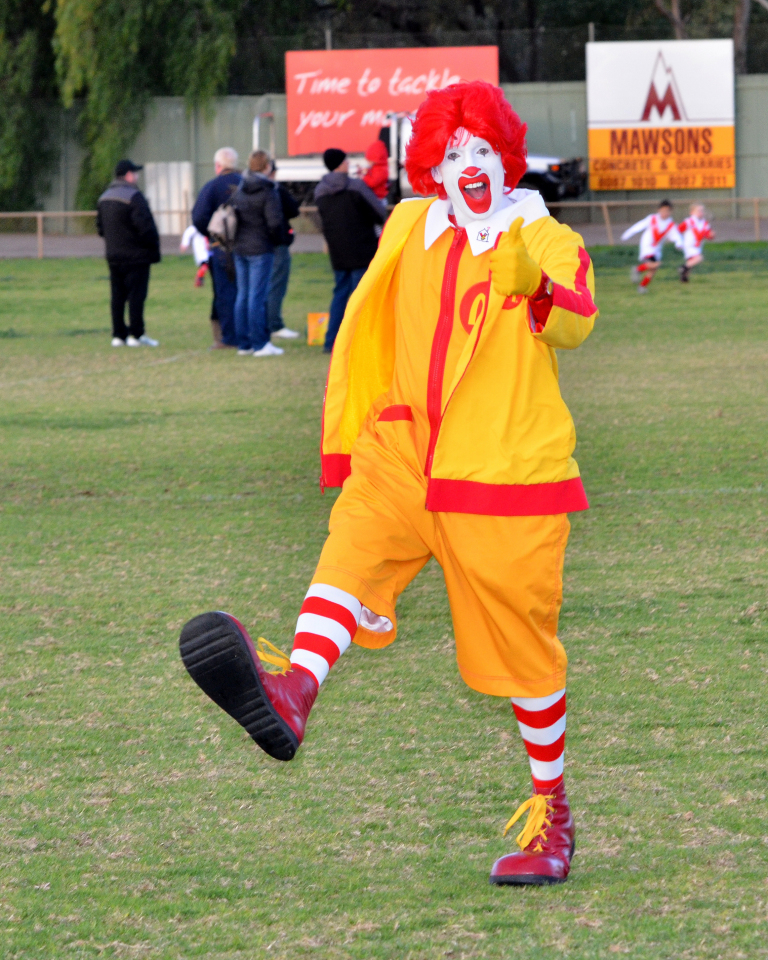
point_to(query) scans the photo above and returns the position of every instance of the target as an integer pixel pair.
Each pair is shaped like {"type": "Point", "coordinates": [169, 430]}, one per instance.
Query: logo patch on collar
{"type": "Point", "coordinates": [484, 235]}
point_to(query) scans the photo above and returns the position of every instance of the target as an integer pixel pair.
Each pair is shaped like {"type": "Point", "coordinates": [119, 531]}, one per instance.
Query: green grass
{"type": "Point", "coordinates": [142, 487]}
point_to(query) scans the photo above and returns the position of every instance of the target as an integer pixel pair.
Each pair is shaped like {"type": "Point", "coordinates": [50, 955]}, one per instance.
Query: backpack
{"type": "Point", "coordinates": [222, 226]}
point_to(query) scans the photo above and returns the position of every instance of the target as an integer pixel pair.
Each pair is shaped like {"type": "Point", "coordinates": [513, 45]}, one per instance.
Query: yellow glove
{"type": "Point", "coordinates": [512, 270]}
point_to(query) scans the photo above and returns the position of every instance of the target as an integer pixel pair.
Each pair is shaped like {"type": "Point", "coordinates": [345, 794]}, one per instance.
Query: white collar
{"type": "Point", "coordinates": [482, 234]}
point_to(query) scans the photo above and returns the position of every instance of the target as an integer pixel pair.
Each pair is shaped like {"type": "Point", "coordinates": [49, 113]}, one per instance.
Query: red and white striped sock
{"type": "Point", "coordinates": [327, 622]}
{"type": "Point", "coordinates": [542, 727]}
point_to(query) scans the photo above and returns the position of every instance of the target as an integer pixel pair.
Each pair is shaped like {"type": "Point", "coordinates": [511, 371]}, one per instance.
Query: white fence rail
{"type": "Point", "coordinates": [174, 221]}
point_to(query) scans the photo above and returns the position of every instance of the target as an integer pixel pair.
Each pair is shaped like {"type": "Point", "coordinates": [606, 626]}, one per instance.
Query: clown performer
{"type": "Point", "coordinates": [656, 230]}
{"type": "Point", "coordinates": [444, 425]}
{"type": "Point", "coordinates": [693, 231]}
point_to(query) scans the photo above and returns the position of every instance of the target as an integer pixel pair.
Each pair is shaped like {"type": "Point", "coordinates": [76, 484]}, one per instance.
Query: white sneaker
{"type": "Point", "coordinates": [117, 342]}
{"type": "Point", "coordinates": [286, 334]}
{"type": "Point", "coordinates": [132, 342]}
{"type": "Point", "coordinates": [269, 350]}
{"type": "Point", "coordinates": [146, 341]}
{"type": "Point", "coordinates": [245, 353]}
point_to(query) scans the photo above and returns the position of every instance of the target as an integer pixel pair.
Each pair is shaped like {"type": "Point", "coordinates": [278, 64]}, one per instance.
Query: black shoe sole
{"type": "Point", "coordinates": [530, 879]}
{"type": "Point", "coordinates": [526, 880]}
{"type": "Point", "coordinates": [218, 657]}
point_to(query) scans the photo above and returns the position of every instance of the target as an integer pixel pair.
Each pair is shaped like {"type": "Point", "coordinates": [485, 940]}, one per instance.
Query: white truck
{"type": "Point", "coordinates": [556, 178]}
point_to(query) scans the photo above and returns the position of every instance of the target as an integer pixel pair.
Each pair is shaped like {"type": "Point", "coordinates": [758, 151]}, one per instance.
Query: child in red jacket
{"type": "Point", "coordinates": [377, 176]}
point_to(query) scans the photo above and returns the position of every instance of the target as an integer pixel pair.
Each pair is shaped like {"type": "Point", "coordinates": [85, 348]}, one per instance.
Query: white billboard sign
{"type": "Point", "coordinates": [661, 114]}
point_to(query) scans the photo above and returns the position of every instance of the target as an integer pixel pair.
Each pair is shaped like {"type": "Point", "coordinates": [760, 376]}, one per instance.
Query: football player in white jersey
{"type": "Point", "coordinates": [693, 231]}
{"type": "Point", "coordinates": [656, 229]}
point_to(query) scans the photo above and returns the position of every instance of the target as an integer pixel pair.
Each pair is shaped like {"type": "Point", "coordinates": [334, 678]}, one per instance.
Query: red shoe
{"type": "Point", "coordinates": [222, 660]}
{"type": "Point", "coordinates": [546, 843]}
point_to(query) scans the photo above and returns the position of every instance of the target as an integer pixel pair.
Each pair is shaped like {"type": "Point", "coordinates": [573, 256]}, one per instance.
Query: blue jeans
{"type": "Point", "coordinates": [224, 294]}
{"type": "Point", "coordinates": [278, 284]}
{"type": "Point", "coordinates": [251, 304]}
{"type": "Point", "coordinates": [346, 281]}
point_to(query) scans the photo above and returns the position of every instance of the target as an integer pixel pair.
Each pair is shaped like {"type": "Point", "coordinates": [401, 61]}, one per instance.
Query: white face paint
{"type": "Point", "coordinates": [472, 175]}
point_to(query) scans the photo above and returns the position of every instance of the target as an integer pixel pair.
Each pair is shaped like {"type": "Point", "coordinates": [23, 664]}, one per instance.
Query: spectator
{"type": "Point", "coordinates": [199, 243]}
{"type": "Point", "coordinates": [259, 228]}
{"type": "Point", "coordinates": [132, 244]}
{"type": "Point", "coordinates": [349, 211]}
{"type": "Point", "coordinates": [210, 198]}
{"type": "Point", "coordinates": [281, 265]}
{"type": "Point", "coordinates": [377, 175]}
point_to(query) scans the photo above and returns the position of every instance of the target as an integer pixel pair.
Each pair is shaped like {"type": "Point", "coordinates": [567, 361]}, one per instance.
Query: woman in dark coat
{"type": "Point", "coordinates": [259, 227]}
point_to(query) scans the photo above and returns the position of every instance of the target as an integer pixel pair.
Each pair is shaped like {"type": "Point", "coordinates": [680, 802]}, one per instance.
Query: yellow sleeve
{"type": "Point", "coordinates": [561, 255]}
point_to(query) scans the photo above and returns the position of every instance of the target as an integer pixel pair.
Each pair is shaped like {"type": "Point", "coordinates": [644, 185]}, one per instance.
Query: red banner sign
{"type": "Point", "coordinates": [340, 98]}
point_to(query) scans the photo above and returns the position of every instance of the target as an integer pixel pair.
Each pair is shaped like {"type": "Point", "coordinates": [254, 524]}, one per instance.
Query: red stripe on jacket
{"type": "Point", "coordinates": [336, 467]}
{"type": "Point", "coordinates": [540, 305]}
{"type": "Point", "coordinates": [440, 342]}
{"type": "Point", "coordinates": [396, 411]}
{"type": "Point", "coordinates": [506, 499]}
{"type": "Point", "coordinates": [578, 301]}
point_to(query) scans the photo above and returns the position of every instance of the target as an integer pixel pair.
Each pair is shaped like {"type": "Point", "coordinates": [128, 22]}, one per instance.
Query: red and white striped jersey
{"type": "Point", "coordinates": [693, 232]}
{"type": "Point", "coordinates": [655, 233]}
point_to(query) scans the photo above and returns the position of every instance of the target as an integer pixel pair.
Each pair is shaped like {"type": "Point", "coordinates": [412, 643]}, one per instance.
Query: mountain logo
{"type": "Point", "coordinates": [663, 78]}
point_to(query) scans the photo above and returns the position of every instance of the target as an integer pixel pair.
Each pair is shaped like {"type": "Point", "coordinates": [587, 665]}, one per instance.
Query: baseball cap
{"type": "Point", "coordinates": [126, 166]}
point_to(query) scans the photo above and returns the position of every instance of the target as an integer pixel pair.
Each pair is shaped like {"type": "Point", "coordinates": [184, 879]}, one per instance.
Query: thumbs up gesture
{"type": "Point", "coordinates": [513, 272]}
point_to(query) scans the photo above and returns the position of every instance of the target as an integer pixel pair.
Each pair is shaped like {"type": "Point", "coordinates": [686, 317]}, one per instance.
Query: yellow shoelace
{"type": "Point", "coordinates": [537, 808]}
{"type": "Point", "coordinates": [272, 656]}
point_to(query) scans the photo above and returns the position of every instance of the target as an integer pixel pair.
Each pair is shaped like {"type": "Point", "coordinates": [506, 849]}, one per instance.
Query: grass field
{"type": "Point", "coordinates": [140, 487]}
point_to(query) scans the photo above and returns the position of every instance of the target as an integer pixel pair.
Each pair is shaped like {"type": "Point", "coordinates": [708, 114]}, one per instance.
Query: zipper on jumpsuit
{"type": "Point", "coordinates": [440, 343]}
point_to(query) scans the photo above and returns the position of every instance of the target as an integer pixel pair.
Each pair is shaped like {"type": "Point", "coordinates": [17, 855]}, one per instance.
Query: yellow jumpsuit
{"type": "Point", "coordinates": [503, 573]}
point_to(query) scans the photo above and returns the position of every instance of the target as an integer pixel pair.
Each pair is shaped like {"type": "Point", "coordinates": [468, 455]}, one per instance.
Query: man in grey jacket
{"type": "Point", "coordinates": [349, 211]}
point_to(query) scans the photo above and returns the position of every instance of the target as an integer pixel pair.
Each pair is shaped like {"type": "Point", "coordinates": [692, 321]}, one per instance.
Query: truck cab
{"type": "Point", "coordinates": [556, 178]}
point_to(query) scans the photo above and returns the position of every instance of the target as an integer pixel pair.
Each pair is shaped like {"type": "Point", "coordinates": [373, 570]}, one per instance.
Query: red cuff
{"type": "Point", "coordinates": [540, 304]}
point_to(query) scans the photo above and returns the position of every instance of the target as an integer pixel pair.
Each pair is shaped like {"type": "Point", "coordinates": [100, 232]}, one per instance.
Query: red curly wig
{"type": "Point", "coordinates": [478, 107]}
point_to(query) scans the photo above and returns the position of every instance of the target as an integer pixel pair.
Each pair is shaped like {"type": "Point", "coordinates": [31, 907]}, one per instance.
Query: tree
{"type": "Point", "coordinates": [116, 54]}
{"type": "Point", "coordinates": [26, 78]}
{"type": "Point", "coordinates": [672, 13]}
{"type": "Point", "coordinates": [715, 17]}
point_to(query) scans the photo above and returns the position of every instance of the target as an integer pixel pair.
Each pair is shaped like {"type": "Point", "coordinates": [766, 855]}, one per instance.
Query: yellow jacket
{"type": "Point", "coordinates": [506, 437]}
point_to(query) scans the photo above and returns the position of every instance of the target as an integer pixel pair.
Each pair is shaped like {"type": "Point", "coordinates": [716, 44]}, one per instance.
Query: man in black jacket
{"type": "Point", "coordinates": [132, 244]}
{"type": "Point", "coordinates": [349, 211]}
{"type": "Point", "coordinates": [211, 196]}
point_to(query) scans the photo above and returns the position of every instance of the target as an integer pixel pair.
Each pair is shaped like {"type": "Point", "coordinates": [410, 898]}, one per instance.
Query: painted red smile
{"type": "Point", "coordinates": [476, 189]}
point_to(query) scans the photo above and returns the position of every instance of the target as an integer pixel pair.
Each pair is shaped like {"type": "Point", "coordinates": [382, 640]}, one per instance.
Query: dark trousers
{"type": "Point", "coordinates": [278, 284]}
{"type": "Point", "coordinates": [346, 281]}
{"type": "Point", "coordinates": [224, 296]}
{"type": "Point", "coordinates": [129, 284]}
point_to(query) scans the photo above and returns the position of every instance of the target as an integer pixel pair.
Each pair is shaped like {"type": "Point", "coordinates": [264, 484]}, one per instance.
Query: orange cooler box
{"type": "Point", "coordinates": [317, 327]}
